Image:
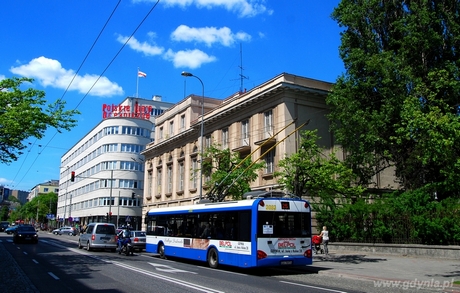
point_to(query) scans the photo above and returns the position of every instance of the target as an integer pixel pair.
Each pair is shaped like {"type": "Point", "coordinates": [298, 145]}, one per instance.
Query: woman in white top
{"type": "Point", "coordinates": [325, 235]}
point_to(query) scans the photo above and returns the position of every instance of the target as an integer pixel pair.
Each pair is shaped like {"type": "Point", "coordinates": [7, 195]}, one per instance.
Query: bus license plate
{"type": "Point", "coordinates": [286, 262]}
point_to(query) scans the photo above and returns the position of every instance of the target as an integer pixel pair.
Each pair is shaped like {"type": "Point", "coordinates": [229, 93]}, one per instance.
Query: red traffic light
{"type": "Point", "coordinates": [72, 176]}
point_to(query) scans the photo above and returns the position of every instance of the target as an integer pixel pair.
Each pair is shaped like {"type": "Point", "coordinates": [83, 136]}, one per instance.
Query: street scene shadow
{"type": "Point", "coordinates": [348, 258]}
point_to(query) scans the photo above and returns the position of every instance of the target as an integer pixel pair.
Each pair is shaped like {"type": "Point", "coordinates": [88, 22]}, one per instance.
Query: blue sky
{"type": "Point", "coordinates": [49, 40]}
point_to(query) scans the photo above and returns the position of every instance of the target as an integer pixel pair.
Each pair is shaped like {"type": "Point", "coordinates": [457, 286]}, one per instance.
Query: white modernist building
{"type": "Point", "coordinates": [102, 175]}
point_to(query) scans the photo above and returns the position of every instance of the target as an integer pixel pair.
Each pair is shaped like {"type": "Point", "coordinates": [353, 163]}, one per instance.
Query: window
{"type": "Point", "coordinates": [269, 162]}
{"type": "Point", "coordinates": [245, 132]}
{"type": "Point", "coordinates": [160, 134]}
{"type": "Point", "coordinates": [181, 175]}
{"type": "Point", "coordinates": [194, 172]}
{"type": "Point", "coordinates": [268, 124]}
{"type": "Point", "coordinates": [207, 141]}
{"type": "Point", "coordinates": [225, 138]}
{"type": "Point", "coordinates": [169, 178]}
{"type": "Point", "coordinates": [171, 128]}
{"type": "Point", "coordinates": [159, 180]}
{"type": "Point", "coordinates": [182, 122]}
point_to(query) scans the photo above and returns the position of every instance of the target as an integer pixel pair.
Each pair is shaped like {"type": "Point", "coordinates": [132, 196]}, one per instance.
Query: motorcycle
{"type": "Point", "coordinates": [124, 246]}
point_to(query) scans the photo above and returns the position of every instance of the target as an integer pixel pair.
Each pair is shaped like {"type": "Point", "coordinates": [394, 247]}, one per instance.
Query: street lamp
{"type": "Point", "coordinates": [188, 74]}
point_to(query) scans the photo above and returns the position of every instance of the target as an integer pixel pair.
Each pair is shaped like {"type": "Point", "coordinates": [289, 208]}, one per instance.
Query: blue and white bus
{"type": "Point", "coordinates": [260, 232]}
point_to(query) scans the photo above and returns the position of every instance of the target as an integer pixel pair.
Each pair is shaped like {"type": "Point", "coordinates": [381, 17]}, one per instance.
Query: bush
{"type": "Point", "coordinates": [409, 217]}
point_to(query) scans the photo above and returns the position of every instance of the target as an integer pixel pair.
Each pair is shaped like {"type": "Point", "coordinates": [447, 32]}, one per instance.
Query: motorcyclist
{"type": "Point", "coordinates": [123, 238]}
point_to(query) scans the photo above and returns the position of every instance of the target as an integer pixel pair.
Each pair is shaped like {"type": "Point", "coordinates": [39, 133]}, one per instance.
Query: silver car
{"type": "Point", "coordinates": [98, 236]}
{"type": "Point", "coordinates": [65, 230]}
{"type": "Point", "coordinates": [138, 240]}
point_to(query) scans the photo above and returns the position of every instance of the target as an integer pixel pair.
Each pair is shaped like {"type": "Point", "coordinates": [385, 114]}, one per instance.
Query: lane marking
{"type": "Point", "coordinates": [166, 278]}
{"type": "Point", "coordinates": [24, 252]}
{"type": "Point", "coordinates": [53, 275]}
{"type": "Point", "coordinates": [35, 261]}
{"type": "Point", "coordinates": [169, 269]}
{"type": "Point", "coordinates": [314, 287]}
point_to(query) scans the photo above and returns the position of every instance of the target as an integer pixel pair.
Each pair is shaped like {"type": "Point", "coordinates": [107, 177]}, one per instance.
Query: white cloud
{"type": "Point", "coordinates": [146, 48]}
{"type": "Point", "coordinates": [208, 35]}
{"type": "Point", "coordinates": [49, 72]}
{"type": "Point", "coordinates": [4, 181]}
{"type": "Point", "coordinates": [189, 58]}
{"type": "Point", "coordinates": [244, 8]}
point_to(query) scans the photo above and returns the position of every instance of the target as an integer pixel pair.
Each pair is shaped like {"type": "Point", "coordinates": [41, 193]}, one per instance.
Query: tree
{"type": "Point", "coordinates": [23, 114]}
{"type": "Point", "coordinates": [310, 171]}
{"type": "Point", "coordinates": [229, 175]}
{"type": "Point", "coordinates": [397, 104]}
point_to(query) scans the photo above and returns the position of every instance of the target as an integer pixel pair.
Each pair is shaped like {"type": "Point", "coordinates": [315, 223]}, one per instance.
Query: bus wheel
{"type": "Point", "coordinates": [161, 251]}
{"type": "Point", "coordinates": [213, 260]}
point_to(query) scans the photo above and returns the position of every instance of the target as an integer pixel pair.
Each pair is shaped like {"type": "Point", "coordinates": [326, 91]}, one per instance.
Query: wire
{"type": "Point", "coordinates": [105, 69]}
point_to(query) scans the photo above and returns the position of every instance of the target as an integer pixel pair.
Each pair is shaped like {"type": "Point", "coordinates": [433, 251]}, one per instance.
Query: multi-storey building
{"type": "Point", "coordinates": [102, 175]}
{"type": "Point", "coordinates": [43, 188]}
{"type": "Point", "coordinates": [265, 116]}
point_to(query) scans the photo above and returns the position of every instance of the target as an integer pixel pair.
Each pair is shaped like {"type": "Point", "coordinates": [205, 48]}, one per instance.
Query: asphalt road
{"type": "Point", "coordinates": [57, 265]}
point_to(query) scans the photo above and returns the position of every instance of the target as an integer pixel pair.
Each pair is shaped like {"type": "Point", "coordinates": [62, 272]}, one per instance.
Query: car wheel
{"type": "Point", "coordinates": [88, 247]}
{"type": "Point", "coordinates": [161, 251]}
{"type": "Point", "coordinates": [213, 258]}
{"type": "Point", "coordinates": [70, 234]}
{"type": "Point", "coordinates": [79, 245]}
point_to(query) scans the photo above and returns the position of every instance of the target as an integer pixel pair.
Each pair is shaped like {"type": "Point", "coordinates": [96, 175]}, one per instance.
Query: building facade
{"type": "Point", "coordinates": [102, 175]}
{"type": "Point", "coordinates": [266, 115]}
{"type": "Point", "coordinates": [263, 122]}
{"type": "Point", "coordinates": [43, 188]}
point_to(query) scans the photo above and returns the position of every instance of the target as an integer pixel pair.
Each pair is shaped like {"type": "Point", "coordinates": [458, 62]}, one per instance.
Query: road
{"type": "Point", "coordinates": [57, 265]}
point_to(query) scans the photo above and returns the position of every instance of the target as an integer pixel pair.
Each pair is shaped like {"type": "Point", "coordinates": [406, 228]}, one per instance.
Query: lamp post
{"type": "Point", "coordinates": [188, 74]}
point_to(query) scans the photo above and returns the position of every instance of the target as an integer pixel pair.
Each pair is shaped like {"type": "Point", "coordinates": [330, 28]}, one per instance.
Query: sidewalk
{"type": "Point", "coordinates": [426, 273]}
{"type": "Point", "coordinates": [13, 280]}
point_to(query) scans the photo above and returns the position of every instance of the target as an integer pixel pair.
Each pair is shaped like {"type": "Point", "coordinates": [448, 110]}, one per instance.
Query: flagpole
{"type": "Point", "coordinates": [137, 84]}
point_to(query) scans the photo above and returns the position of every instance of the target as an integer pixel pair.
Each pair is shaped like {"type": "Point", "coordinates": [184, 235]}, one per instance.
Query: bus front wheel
{"type": "Point", "coordinates": [161, 251]}
{"type": "Point", "coordinates": [213, 259]}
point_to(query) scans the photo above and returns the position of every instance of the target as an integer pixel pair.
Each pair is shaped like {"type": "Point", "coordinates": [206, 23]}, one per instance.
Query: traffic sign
{"type": "Point", "coordinates": [128, 219]}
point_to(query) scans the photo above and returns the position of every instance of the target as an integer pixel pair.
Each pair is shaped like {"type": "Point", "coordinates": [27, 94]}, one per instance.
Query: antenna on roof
{"type": "Point", "coordinates": [242, 77]}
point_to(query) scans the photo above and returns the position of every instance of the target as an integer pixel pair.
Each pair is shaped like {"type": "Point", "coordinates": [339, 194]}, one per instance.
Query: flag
{"type": "Point", "coordinates": [141, 74]}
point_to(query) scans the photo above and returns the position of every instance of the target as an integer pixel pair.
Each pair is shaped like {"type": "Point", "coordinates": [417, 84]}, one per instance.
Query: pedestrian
{"type": "Point", "coordinates": [325, 235]}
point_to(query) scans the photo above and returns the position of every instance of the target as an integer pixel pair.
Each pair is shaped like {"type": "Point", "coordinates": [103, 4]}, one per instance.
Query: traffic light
{"type": "Point", "coordinates": [72, 176]}
{"type": "Point", "coordinates": [133, 195]}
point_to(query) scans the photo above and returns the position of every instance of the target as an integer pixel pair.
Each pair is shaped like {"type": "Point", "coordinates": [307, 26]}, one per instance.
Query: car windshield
{"type": "Point", "coordinates": [26, 229]}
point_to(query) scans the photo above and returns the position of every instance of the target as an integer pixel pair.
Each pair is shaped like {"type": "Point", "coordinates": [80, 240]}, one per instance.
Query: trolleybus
{"type": "Point", "coordinates": [258, 232]}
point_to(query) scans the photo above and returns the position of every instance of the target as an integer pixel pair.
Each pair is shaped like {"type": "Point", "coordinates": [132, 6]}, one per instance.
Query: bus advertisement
{"type": "Point", "coordinates": [261, 232]}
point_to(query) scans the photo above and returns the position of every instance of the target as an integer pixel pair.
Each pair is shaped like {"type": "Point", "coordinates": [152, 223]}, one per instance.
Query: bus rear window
{"type": "Point", "coordinates": [283, 224]}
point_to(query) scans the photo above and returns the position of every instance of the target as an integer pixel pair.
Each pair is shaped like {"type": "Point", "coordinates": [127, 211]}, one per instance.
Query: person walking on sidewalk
{"type": "Point", "coordinates": [325, 235]}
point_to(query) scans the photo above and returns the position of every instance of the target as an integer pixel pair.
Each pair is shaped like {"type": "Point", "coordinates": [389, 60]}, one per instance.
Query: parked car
{"type": "Point", "coordinates": [98, 236]}
{"type": "Point", "coordinates": [71, 231]}
{"type": "Point", "coordinates": [4, 225]}
{"type": "Point", "coordinates": [138, 240]}
{"type": "Point", "coordinates": [10, 230]}
{"type": "Point", "coordinates": [25, 233]}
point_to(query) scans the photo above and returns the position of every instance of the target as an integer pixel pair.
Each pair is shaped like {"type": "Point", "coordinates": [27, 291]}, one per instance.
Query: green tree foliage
{"type": "Point", "coordinates": [23, 114]}
{"type": "Point", "coordinates": [409, 217]}
{"type": "Point", "coordinates": [4, 211]}
{"type": "Point", "coordinates": [324, 178]}
{"type": "Point", "coordinates": [42, 205]}
{"type": "Point", "coordinates": [398, 102]}
{"type": "Point", "coordinates": [230, 175]}
{"type": "Point", "coordinates": [310, 171]}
